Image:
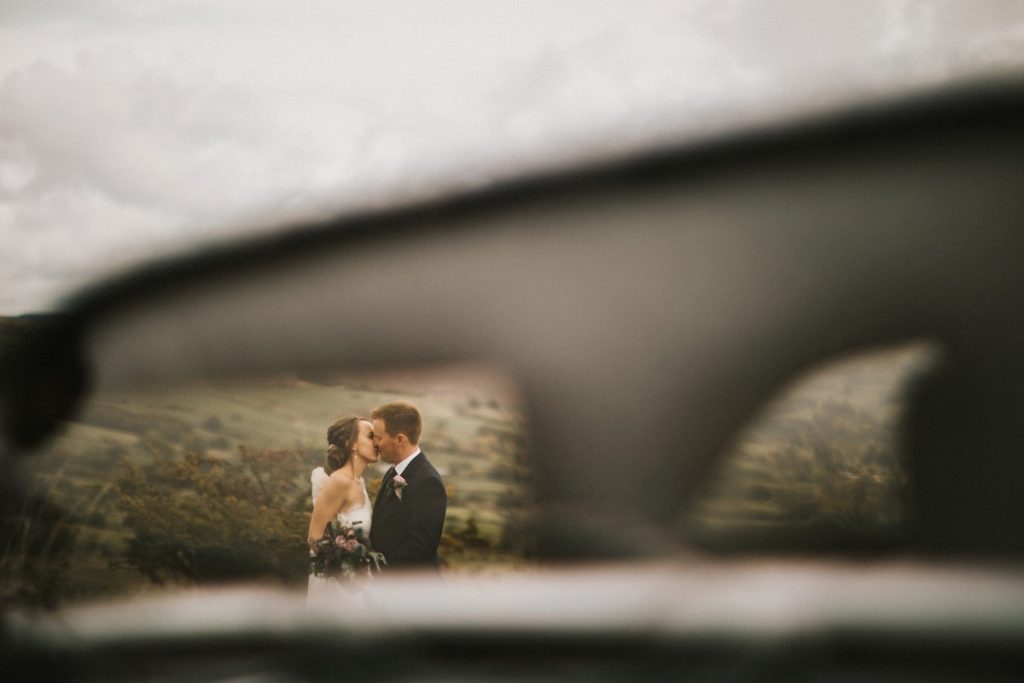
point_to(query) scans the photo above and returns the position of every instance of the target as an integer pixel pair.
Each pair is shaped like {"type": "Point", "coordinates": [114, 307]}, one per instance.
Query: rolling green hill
{"type": "Point", "coordinates": [820, 466]}
{"type": "Point", "coordinates": [473, 432]}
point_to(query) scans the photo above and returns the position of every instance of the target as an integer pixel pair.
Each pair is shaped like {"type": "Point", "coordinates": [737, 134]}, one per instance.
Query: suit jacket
{"type": "Point", "coordinates": [407, 530]}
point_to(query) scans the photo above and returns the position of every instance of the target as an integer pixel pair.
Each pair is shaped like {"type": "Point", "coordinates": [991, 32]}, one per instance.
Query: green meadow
{"type": "Point", "coordinates": [209, 482]}
{"type": "Point", "coordinates": [139, 476]}
{"type": "Point", "coordinates": [822, 466]}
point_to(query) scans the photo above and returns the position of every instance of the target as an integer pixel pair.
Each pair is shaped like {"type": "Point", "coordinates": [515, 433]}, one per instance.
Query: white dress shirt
{"type": "Point", "coordinates": [400, 467]}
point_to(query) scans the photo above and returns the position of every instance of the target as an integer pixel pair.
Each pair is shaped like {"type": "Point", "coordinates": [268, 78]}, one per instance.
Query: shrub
{"type": "Point", "coordinates": [198, 519]}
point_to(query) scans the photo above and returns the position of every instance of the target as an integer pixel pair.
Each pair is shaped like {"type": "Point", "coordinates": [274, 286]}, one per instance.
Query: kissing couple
{"type": "Point", "coordinates": [405, 521]}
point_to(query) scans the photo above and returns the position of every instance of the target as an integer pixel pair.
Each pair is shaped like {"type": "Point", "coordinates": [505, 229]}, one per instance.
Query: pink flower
{"type": "Point", "coordinates": [397, 484]}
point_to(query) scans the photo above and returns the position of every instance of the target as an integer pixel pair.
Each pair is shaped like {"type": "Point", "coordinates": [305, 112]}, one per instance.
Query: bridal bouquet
{"type": "Point", "coordinates": [345, 552]}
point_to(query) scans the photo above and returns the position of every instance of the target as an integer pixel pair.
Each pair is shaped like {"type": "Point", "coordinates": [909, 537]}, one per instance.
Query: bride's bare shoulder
{"type": "Point", "coordinates": [340, 479]}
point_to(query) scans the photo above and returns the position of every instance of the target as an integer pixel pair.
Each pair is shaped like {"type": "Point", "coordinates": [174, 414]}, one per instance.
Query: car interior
{"type": "Point", "coordinates": [646, 309]}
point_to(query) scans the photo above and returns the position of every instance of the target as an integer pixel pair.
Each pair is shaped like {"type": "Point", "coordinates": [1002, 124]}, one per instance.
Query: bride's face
{"type": "Point", "coordinates": [364, 447]}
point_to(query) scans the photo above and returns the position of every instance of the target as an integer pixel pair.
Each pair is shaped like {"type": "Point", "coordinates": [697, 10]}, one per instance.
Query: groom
{"type": "Point", "coordinates": [408, 514]}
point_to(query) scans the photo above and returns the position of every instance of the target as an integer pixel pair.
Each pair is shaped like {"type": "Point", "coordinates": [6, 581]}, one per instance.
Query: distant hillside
{"type": "Point", "coordinates": [473, 432]}
{"type": "Point", "coordinates": [819, 467]}
{"type": "Point", "coordinates": [821, 464]}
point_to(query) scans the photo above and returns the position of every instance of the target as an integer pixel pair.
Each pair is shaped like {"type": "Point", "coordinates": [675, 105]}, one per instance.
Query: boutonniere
{"type": "Point", "coordinates": [397, 484]}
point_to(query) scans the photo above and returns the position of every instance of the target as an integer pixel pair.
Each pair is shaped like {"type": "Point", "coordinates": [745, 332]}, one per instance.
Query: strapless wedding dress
{"type": "Point", "coordinates": [321, 588]}
{"type": "Point", "coordinates": [360, 516]}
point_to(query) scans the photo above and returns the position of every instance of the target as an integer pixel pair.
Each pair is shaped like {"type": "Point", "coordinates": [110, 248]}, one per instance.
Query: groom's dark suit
{"type": "Point", "coordinates": [407, 530]}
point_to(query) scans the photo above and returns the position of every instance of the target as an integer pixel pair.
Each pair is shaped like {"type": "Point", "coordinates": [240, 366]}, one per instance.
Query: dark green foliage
{"type": "Point", "coordinates": [198, 519]}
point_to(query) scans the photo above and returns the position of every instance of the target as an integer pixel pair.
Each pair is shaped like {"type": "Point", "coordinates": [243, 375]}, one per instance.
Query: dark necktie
{"type": "Point", "coordinates": [385, 483]}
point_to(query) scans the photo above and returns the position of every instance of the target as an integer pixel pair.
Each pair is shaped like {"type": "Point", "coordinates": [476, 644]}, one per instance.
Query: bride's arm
{"type": "Point", "coordinates": [327, 505]}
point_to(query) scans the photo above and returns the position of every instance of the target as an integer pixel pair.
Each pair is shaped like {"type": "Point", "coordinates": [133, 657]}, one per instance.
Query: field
{"type": "Point", "coordinates": [473, 433]}
{"type": "Point", "coordinates": [210, 482]}
{"type": "Point", "coordinates": [822, 466]}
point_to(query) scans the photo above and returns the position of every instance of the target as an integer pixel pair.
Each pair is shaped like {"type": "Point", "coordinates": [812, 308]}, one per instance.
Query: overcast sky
{"type": "Point", "coordinates": [129, 129]}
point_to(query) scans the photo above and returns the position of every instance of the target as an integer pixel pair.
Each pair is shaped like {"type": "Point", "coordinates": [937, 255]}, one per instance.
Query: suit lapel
{"type": "Point", "coordinates": [387, 490]}
{"type": "Point", "coordinates": [414, 465]}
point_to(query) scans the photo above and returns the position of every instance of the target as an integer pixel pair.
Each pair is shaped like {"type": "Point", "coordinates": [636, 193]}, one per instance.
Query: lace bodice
{"type": "Point", "coordinates": [360, 515]}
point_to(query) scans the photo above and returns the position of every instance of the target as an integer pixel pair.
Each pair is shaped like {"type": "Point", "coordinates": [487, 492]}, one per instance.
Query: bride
{"type": "Point", "coordinates": [339, 492]}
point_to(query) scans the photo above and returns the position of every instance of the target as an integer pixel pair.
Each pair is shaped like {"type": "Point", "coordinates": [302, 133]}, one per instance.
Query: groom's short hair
{"type": "Point", "coordinates": [400, 418]}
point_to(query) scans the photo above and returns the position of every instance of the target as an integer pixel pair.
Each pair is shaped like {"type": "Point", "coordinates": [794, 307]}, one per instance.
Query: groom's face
{"type": "Point", "coordinates": [387, 445]}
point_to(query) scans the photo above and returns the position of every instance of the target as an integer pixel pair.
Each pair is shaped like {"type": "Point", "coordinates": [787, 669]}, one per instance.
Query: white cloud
{"type": "Point", "coordinates": [136, 134]}
{"type": "Point", "coordinates": [128, 128]}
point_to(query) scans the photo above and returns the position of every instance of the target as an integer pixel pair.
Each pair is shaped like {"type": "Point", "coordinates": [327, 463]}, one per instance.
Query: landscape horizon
{"type": "Point", "coordinates": [209, 481]}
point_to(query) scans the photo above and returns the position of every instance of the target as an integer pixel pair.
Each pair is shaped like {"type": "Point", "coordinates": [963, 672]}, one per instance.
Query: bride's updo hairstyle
{"type": "Point", "coordinates": [341, 438]}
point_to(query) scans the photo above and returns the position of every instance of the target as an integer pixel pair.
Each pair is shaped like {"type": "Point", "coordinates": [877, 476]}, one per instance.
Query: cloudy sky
{"type": "Point", "coordinates": [129, 129]}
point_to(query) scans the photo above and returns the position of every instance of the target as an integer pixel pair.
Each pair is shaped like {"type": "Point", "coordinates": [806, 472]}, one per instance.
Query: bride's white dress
{"type": "Point", "coordinates": [320, 587]}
